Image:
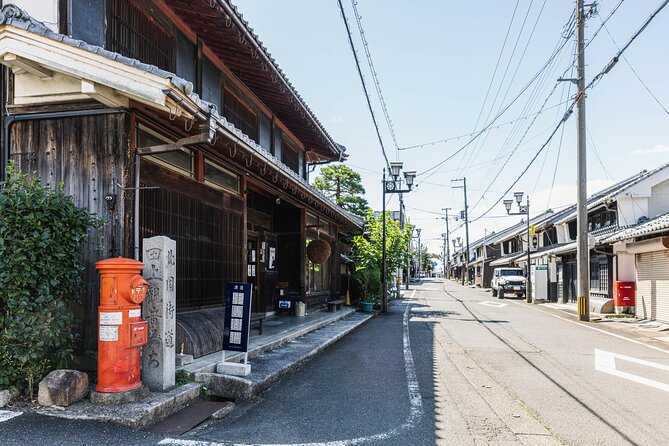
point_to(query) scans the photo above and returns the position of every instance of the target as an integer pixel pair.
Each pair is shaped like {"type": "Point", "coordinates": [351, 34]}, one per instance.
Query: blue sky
{"type": "Point", "coordinates": [435, 61]}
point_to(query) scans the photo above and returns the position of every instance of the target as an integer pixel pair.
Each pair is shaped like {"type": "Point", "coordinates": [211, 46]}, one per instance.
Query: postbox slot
{"type": "Point", "coordinates": [139, 332]}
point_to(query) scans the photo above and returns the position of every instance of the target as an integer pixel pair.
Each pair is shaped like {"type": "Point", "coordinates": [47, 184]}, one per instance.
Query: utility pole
{"type": "Point", "coordinates": [582, 250]}
{"type": "Point", "coordinates": [444, 253]}
{"type": "Point", "coordinates": [448, 249]}
{"type": "Point", "coordinates": [464, 187]}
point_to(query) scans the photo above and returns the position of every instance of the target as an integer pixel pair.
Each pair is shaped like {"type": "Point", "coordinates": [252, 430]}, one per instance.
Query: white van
{"type": "Point", "coordinates": [508, 280]}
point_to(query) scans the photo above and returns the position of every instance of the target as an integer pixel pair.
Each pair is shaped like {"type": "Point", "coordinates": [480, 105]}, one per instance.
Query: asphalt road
{"type": "Point", "coordinates": [448, 365]}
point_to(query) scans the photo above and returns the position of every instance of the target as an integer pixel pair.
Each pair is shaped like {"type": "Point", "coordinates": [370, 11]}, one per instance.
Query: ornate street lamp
{"type": "Point", "coordinates": [523, 210]}
{"type": "Point", "coordinates": [393, 185]}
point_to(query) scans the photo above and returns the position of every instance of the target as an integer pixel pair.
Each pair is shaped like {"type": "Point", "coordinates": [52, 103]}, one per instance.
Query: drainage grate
{"type": "Point", "coordinates": [187, 418]}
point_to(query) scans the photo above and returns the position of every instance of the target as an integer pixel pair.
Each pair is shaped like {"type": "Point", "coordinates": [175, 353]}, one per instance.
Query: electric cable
{"type": "Point", "coordinates": [362, 80]}
{"type": "Point", "coordinates": [541, 70]}
{"type": "Point", "coordinates": [635, 73]}
{"type": "Point", "coordinates": [616, 58]}
{"type": "Point", "coordinates": [372, 69]}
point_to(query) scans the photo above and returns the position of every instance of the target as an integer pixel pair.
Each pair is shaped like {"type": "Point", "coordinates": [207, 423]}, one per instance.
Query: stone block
{"type": "Point", "coordinates": [129, 396]}
{"type": "Point", "coordinates": [233, 368]}
{"type": "Point", "coordinates": [226, 386]}
{"type": "Point", "coordinates": [5, 397]}
{"type": "Point", "coordinates": [182, 359]}
{"type": "Point", "coordinates": [62, 388]}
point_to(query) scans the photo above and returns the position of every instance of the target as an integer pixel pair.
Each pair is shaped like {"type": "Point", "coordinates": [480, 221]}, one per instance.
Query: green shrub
{"type": "Point", "coordinates": [368, 281]}
{"type": "Point", "coordinates": [41, 237]}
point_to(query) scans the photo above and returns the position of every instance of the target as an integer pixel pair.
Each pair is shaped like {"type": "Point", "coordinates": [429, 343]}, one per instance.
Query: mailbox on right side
{"type": "Point", "coordinates": [624, 296]}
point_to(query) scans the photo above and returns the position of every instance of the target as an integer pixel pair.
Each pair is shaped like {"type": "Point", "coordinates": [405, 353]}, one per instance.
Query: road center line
{"type": "Point", "coordinates": [415, 400]}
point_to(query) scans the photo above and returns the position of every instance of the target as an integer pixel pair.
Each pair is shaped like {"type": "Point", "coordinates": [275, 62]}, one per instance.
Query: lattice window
{"type": "Point", "coordinates": [135, 34]}
{"type": "Point", "coordinates": [240, 115]}
{"type": "Point", "coordinates": [209, 244]}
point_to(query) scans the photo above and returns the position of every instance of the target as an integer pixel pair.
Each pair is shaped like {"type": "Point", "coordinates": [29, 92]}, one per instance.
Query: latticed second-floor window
{"type": "Point", "coordinates": [134, 34]}
{"type": "Point", "coordinates": [240, 115]}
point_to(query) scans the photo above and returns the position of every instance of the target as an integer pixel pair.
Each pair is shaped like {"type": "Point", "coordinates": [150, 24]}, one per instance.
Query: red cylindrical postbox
{"type": "Point", "coordinates": [624, 294]}
{"type": "Point", "coordinates": [122, 332]}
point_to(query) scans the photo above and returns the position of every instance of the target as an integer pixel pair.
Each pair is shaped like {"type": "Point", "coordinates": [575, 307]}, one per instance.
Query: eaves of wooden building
{"type": "Point", "coordinates": [169, 117]}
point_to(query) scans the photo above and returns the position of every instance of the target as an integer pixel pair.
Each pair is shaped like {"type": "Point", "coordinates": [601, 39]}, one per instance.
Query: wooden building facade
{"type": "Point", "coordinates": [170, 118]}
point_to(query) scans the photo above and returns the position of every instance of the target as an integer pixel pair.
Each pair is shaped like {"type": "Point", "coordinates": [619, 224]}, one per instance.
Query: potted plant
{"type": "Point", "coordinates": [368, 281]}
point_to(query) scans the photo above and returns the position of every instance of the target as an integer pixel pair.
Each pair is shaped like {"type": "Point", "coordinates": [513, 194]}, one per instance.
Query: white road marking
{"type": "Point", "coordinates": [415, 414]}
{"type": "Point", "coordinates": [580, 324]}
{"type": "Point", "coordinates": [6, 415]}
{"type": "Point", "coordinates": [493, 304]}
{"type": "Point", "coordinates": [606, 362]}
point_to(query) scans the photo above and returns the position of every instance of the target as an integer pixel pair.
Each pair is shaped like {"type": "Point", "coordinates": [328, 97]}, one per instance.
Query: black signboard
{"type": "Point", "coordinates": [237, 317]}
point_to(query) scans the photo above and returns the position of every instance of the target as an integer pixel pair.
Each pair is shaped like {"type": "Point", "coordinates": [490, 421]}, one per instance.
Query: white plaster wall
{"type": "Point", "coordinates": [631, 208]}
{"type": "Point", "coordinates": [659, 199]}
{"type": "Point", "coordinates": [563, 233]}
{"type": "Point", "coordinates": [46, 11]}
{"type": "Point", "coordinates": [626, 267]}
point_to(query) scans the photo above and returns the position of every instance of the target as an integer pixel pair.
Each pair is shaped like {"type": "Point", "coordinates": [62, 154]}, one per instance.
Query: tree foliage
{"type": "Point", "coordinates": [367, 248]}
{"type": "Point", "coordinates": [344, 185]}
{"type": "Point", "coordinates": [41, 238]}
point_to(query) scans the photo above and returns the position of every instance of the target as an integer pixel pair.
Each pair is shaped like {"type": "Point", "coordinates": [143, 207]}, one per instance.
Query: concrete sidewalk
{"type": "Point", "coordinates": [287, 342]}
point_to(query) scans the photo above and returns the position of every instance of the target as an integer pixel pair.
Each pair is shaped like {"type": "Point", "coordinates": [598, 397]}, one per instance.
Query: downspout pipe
{"type": "Point", "coordinates": [9, 120]}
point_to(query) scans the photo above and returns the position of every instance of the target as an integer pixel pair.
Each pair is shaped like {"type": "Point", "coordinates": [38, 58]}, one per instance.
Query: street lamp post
{"type": "Point", "coordinates": [523, 210]}
{"type": "Point", "coordinates": [391, 186]}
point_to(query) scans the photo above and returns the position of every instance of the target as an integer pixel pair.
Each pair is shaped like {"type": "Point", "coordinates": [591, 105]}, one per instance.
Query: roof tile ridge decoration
{"type": "Point", "coordinates": [13, 15]}
{"type": "Point", "coordinates": [278, 69]}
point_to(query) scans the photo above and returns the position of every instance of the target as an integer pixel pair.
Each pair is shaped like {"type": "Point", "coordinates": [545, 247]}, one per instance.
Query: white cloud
{"type": "Point", "coordinates": [654, 151]}
{"type": "Point", "coordinates": [336, 119]}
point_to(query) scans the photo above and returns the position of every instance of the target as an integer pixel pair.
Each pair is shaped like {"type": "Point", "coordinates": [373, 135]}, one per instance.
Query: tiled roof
{"type": "Point", "coordinates": [655, 226]}
{"type": "Point", "coordinates": [14, 16]}
{"type": "Point", "coordinates": [609, 193]}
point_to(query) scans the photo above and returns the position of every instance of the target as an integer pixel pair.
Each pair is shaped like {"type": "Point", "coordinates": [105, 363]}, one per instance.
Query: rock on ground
{"type": "Point", "coordinates": [5, 397]}
{"type": "Point", "coordinates": [62, 388]}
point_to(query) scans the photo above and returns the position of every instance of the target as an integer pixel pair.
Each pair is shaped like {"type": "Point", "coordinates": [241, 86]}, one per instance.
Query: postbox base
{"type": "Point", "coordinates": [129, 396]}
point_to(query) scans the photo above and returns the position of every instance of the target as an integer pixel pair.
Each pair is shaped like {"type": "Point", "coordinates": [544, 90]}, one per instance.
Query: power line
{"type": "Point", "coordinates": [536, 155]}
{"type": "Point", "coordinates": [506, 70]}
{"type": "Point", "coordinates": [377, 84]}
{"type": "Point", "coordinates": [555, 53]}
{"type": "Point", "coordinates": [635, 73]}
{"type": "Point", "coordinates": [455, 138]}
{"type": "Point", "coordinates": [499, 59]}
{"type": "Point", "coordinates": [616, 58]}
{"type": "Point", "coordinates": [569, 112]}
{"type": "Point", "coordinates": [362, 81]}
